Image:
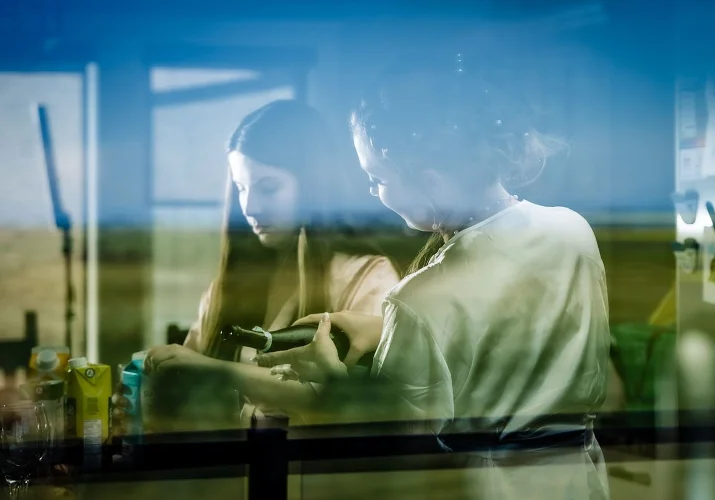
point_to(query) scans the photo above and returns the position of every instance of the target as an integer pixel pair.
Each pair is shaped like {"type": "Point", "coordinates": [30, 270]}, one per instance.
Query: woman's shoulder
{"type": "Point", "coordinates": [554, 217]}
{"type": "Point", "coordinates": [422, 289]}
{"type": "Point", "coordinates": [355, 280]}
{"type": "Point", "coordinates": [348, 265]}
{"type": "Point", "coordinates": [556, 230]}
{"type": "Point", "coordinates": [572, 229]}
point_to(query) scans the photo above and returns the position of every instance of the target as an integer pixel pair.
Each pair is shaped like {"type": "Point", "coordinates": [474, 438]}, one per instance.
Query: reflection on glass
{"type": "Point", "coordinates": [25, 438]}
{"type": "Point", "coordinates": [167, 79]}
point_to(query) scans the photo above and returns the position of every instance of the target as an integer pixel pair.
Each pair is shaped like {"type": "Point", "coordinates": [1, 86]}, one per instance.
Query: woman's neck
{"type": "Point", "coordinates": [492, 201]}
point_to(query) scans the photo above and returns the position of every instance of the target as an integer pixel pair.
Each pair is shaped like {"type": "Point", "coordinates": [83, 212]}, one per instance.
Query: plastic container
{"type": "Point", "coordinates": [49, 363]}
{"type": "Point", "coordinates": [132, 377]}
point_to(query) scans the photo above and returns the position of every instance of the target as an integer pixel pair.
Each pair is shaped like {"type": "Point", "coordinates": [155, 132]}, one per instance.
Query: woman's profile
{"type": "Point", "coordinates": [287, 252]}
{"type": "Point", "coordinates": [502, 325]}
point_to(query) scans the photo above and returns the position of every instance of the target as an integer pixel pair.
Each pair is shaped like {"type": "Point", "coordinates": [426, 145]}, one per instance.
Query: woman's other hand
{"type": "Point", "coordinates": [120, 405]}
{"type": "Point", "coordinates": [180, 358]}
{"type": "Point", "coordinates": [315, 362]}
{"type": "Point", "coordinates": [363, 330]}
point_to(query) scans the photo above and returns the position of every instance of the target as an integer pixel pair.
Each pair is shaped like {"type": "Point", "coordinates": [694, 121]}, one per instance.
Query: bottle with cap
{"type": "Point", "coordinates": [89, 396]}
{"type": "Point", "coordinates": [48, 362]}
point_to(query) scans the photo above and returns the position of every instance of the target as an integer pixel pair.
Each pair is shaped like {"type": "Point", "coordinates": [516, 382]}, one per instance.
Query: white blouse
{"type": "Point", "coordinates": [510, 318]}
{"type": "Point", "coordinates": [508, 323]}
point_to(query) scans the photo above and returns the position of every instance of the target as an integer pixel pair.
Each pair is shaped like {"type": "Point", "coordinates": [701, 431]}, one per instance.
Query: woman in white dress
{"type": "Point", "coordinates": [502, 325]}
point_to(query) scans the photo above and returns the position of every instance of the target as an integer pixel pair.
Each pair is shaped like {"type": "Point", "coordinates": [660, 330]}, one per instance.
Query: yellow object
{"type": "Point", "coordinates": [89, 394]}
{"type": "Point", "coordinates": [49, 362]}
{"type": "Point", "coordinates": [665, 314]}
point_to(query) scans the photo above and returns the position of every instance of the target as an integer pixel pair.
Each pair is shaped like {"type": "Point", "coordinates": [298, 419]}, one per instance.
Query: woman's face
{"type": "Point", "coordinates": [403, 196]}
{"type": "Point", "coordinates": [269, 198]}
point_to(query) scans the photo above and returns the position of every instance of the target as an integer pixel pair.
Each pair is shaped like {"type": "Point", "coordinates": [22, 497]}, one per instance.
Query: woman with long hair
{"type": "Point", "coordinates": [287, 251]}
{"type": "Point", "coordinates": [502, 326]}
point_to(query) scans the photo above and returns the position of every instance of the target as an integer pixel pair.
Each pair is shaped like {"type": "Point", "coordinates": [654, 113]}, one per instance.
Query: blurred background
{"type": "Point", "coordinates": [141, 97]}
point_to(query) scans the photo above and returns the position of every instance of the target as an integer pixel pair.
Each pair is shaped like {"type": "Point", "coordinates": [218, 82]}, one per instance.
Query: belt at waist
{"type": "Point", "coordinates": [462, 443]}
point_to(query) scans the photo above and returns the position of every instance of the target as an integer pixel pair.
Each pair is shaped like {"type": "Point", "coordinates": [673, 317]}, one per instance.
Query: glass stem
{"type": "Point", "coordinates": [17, 488]}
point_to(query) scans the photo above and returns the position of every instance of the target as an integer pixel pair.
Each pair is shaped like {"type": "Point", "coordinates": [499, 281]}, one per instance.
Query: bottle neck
{"type": "Point", "coordinates": [258, 339]}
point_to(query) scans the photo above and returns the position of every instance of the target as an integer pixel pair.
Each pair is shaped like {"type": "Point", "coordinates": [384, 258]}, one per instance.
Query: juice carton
{"type": "Point", "coordinates": [147, 403]}
{"type": "Point", "coordinates": [89, 397]}
{"type": "Point", "coordinates": [132, 376]}
{"type": "Point", "coordinates": [51, 393]}
{"type": "Point", "coordinates": [49, 363]}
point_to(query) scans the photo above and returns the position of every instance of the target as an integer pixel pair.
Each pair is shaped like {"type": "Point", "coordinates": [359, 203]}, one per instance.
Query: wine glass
{"type": "Point", "coordinates": [25, 439]}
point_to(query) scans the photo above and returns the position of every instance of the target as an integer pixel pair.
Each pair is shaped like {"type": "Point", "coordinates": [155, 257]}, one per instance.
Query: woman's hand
{"type": "Point", "coordinates": [363, 330]}
{"type": "Point", "coordinates": [175, 369]}
{"type": "Point", "coordinates": [315, 362]}
{"type": "Point", "coordinates": [178, 358]}
{"type": "Point", "coordinates": [187, 386]}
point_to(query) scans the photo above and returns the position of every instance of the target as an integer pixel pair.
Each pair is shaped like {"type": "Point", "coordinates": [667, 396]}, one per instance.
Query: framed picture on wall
{"type": "Point", "coordinates": [695, 129]}
{"type": "Point", "coordinates": [692, 114]}
{"type": "Point", "coordinates": [708, 159]}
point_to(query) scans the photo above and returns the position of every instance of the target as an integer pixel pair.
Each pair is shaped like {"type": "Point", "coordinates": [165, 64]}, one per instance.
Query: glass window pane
{"type": "Point", "coordinates": [167, 79]}
{"type": "Point", "coordinates": [186, 245]}
{"type": "Point", "coordinates": [31, 267]}
{"type": "Point", "coordinates": [189, 166]}
{"type": "Point", "coordinates": [190, 142]}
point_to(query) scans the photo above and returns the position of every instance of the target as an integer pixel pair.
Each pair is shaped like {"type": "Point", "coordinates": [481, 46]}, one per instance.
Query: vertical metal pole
{"type": "Point", "coordinates": [268, 466]}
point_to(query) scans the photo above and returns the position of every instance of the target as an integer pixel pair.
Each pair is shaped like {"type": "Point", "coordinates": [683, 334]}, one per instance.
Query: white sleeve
{"type": "Point", "coordinates": [410, 361]}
